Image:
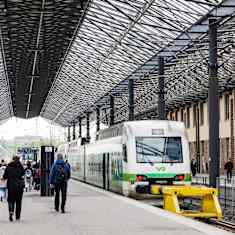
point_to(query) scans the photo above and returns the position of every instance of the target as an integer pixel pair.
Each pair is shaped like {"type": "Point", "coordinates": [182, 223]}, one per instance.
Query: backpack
{"type": "Point", "coordinates": [28, 173]}
{"type": "Point", "coordinates": [61, 174]}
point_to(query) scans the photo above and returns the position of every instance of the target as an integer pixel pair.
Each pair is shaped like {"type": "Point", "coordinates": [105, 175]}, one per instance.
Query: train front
{"type": "Point", "coordinates": [157, 153]}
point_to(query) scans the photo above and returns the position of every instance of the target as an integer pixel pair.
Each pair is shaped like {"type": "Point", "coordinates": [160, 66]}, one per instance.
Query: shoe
{"type": "Point", "coordinates": [57, 209]}
{"type": "Point", "coordinates": [11, 217]}
{"type": "Point", "coordinates": [62, 211]}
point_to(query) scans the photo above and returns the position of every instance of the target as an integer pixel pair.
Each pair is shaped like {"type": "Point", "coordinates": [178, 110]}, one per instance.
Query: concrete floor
{"type": "Point", "coordinates": [91, 211]}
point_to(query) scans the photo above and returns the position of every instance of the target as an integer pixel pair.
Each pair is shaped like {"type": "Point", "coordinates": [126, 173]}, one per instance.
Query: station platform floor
{"type": "Point", "coordinates": [92, 211]}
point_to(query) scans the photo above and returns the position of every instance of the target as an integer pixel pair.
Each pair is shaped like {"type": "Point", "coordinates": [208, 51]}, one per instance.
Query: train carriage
{"type": "Point", "coordinates": [128, 158]}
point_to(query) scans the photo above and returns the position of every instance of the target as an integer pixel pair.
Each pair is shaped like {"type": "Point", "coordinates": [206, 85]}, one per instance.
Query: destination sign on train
{"type": "Point", "coordinates": [157, 131]}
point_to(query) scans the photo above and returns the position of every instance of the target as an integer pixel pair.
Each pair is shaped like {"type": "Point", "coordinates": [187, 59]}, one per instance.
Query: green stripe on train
{"type": "Point", "coordinates": [132, 177]}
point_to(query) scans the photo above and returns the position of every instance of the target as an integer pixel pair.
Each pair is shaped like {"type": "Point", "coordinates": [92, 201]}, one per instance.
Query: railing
{"type": "Point", "coordinates": [226, 188]}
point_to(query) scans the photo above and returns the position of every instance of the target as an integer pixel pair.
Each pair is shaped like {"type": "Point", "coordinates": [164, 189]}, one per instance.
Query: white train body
{"type": "Point", "coordinates": [130, 157]}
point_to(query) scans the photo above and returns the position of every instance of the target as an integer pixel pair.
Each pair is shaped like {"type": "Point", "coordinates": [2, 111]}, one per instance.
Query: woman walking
{"type": "Point", "coordinates": [14, 174]}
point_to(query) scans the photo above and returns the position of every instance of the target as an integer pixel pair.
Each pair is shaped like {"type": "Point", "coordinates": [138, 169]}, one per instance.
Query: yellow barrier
{"type": "Point", "coordinates": [210, 207]}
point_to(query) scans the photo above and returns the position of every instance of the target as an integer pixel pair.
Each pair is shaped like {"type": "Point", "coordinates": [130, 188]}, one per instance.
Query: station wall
{"type": "Point", "coordinates": [188, 114]}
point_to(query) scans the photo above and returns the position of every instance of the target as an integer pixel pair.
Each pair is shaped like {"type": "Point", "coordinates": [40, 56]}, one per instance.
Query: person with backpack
{"type": "Point", "coordinates": [58, 179]}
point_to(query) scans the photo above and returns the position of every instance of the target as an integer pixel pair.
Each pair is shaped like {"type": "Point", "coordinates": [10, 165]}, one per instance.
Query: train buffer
{"type": "Point", "coordinates": [209, 206]}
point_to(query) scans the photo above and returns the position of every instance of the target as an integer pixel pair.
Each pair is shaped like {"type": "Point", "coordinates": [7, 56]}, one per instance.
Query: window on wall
{"type": "Point", "coordinates": [227, 149]}
{"type": "Point", "coordinates": [226, 106]}
{"type": "Point", "coordinates": [182, 115]}
{"type": "Point", "coordinates": [201, 113]}
{"type": "Point", "coordinates": [194, 115]}
{"type": "Point", "coordinates": [188, 117]}
{"type": "Point", "coordinates": [185, 119]}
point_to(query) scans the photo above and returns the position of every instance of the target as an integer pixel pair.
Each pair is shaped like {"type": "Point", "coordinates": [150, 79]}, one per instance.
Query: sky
{"type": "Point", "coordinates": [34, 126]}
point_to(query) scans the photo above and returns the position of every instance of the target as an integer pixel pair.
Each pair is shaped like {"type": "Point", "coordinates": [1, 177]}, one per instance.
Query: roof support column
{"type": "Point", "coordinates": [213, 99]}
{"type": "Point", "coordinates": [69, 135]}
{"type": "Point", "coordinates": [80, 127]}
{"type": "Point", "coordinates": [74, 131]}
{"type": "Point", "coordinates": [88, 127]}
{"type": "Point", "coordinates": [97, 119]}
{"type": "Point", "coordinates": [111, 114]}
{"type": "Point", "coordinates": [131, 105]}
{"type": "Point", "coordinates": [161, 85]}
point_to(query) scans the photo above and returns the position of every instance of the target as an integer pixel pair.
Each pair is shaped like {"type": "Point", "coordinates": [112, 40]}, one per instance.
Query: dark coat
{"type": "Point", "coordinates": [14, 174]}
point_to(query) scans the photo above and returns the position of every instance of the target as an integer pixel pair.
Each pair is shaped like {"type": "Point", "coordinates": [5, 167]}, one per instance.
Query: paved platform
{"type": "Point", "coordinates": [92, 211]}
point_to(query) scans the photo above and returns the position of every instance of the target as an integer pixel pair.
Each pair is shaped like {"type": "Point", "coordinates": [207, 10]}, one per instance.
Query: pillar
{"type": "Point", "coordinates": [80, 128]}
{"type": "Point", "coordinates": [97, 119]}
{"type": "Point", "coordinates": [161, 86]}
{"type": "Point", "coordinates": [111, 114]}
{"type": "Point", "coordinates": [74, 131]}
{"type": "Point", "coordinates": [69, 136]}
{"type": "Point", "coordinates": [131, 105]}
{"type": "Point", "coordinates": [88, 127]}
{"type": "Point", "coordinates": [213, 100]}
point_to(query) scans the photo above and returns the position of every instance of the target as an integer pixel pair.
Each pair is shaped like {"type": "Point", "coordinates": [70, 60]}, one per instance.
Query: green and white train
{"type": "Point", "coordinates": [128, 158]}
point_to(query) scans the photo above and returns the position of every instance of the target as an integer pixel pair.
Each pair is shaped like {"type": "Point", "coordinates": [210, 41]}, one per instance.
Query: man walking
{"type": "Point", "coordinates": [229, 168]}
{"type": "Point", "coordinates": [59, 176]}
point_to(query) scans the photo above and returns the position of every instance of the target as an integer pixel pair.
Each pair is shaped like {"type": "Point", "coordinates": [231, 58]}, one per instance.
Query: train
{"type": "Point", "coordinates": [128, 158]}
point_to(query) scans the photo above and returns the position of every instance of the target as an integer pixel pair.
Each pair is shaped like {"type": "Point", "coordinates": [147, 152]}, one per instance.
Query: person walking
{"type": "Point", "coordinates": [58, 179]}
{"type": "Point", "coordinates": [2, 181]}
{"type": "Point", "coordinates": [229, 168]}
{"type": "Point", "coordinates": [28, 177]}
{"type": "Point", "coordinates": [14, 174]}
{"type": "Point", "coordinates": [193, 166]}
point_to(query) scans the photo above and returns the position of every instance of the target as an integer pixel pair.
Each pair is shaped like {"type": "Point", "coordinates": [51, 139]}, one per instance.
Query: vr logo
{"type": "Point", "coordinates": [162, 168]}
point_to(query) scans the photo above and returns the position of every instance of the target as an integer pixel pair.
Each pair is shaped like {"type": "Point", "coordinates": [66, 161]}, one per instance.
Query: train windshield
{"type": "Point", "coordinates": [159, 150]}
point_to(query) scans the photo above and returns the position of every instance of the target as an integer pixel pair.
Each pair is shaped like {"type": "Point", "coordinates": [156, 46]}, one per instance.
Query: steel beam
{"type": "Point", "coordinates": [161, 85]}
{"type": "Point", "coordinates": [111, 110]}
{"type": "Point", "coordinates": [131, 105]}
{"type": "Point", "coordinates": [213, 100]}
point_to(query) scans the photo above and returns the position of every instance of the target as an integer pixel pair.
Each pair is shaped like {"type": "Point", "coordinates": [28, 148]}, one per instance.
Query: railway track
{"type": "Point", "coordinates": [223, 225]}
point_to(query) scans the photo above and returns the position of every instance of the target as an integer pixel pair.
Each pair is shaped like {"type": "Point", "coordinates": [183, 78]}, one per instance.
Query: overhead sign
{"type": "Point", "coordinates": [48, 149]}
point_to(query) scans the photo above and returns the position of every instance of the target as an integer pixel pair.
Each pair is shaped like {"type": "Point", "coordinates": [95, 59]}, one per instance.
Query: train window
{"type": "Point", "coordinates": [124, 153]}
{"type": "Point", "coordinates": [159, 150]}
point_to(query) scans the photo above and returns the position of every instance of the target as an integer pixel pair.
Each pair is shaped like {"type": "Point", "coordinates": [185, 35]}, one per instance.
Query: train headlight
{"type": "Point", "coordinates": [179, 177]}
{"type": "Point", "coordinates": [140, 178]}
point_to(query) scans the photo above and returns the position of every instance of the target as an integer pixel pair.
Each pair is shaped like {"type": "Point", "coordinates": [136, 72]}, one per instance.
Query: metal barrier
{"type": "Point", "coordinates": [209, 206]}
{"type": "Point", "coordinates": [226, 193]}
{"type": "Point", "coordinates": [226, 189]}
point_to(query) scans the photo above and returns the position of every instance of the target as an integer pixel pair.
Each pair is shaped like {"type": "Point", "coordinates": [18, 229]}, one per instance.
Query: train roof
{"type": "Point", "coordinates": [157, 125]}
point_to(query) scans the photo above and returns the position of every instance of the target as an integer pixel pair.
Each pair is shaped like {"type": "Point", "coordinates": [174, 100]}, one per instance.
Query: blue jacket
{"type": "Point", "coordinates": [55, 171]}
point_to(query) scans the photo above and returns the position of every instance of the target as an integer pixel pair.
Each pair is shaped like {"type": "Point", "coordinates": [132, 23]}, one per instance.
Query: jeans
{"type": "Point", "coordinates": [63, 189]}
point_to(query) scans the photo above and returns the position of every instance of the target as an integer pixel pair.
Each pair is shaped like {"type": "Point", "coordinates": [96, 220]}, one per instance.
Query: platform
{"type": "Point", "coordinates": [91, 211]}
